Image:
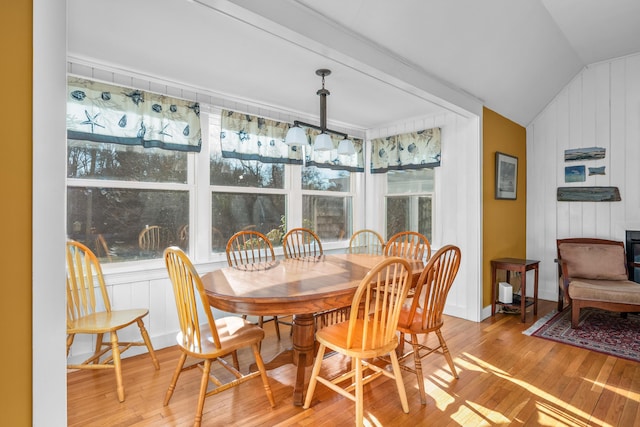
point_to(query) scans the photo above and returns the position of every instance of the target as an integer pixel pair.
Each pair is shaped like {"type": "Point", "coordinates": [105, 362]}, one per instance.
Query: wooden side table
{"type": "Point", "coordinates": [515, 265]}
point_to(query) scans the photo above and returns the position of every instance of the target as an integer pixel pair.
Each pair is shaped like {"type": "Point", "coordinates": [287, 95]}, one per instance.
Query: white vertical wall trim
{"type": "Point", "coordinates": [599, 107]}
{"type": "Point", "coordinates": [49, 390]}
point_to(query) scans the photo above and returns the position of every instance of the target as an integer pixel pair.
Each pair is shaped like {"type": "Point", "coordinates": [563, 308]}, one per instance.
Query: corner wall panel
{"type": "Point", "coordinates": [600, 107]}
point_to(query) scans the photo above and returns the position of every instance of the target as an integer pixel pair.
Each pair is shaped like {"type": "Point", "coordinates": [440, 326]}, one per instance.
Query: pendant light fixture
{"type": "Point", "coordinates": [346, 147]}
{"type": "Point", "coordinates": [323, 142]}
{"type": "Point", "coordinates": [296, 136]}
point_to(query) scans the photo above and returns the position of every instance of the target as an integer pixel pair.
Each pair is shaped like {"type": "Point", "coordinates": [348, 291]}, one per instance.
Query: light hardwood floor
{"type": "Point", "coordinates": [506, 378]}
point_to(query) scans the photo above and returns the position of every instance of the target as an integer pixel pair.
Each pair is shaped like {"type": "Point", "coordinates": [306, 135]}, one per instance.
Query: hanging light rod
{"type": "Point", "coordinates": [309, 125]}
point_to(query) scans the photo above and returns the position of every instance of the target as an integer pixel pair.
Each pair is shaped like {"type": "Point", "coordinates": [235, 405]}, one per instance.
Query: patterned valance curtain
{"type": "Point", "coordinates": [415, 150]}
{"type": "Point", "coordinates": [106, 113]}
{"type": "Point", "coordinates": [248, 137]}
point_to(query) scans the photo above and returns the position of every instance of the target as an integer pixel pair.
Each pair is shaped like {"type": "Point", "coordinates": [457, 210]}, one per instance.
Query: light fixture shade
{"type": "Point", "coordinates": [323, 142]}
{"type": "Point", "coordinates": [346, 147]}
{"type": "Point", "coordinates": [296, 136]}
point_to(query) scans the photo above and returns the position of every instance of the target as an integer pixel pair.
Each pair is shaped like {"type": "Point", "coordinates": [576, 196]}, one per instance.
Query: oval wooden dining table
{"type": "Point", "coordinates": [298, 287]}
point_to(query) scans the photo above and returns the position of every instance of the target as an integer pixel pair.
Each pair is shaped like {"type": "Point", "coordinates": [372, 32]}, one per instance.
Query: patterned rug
{"type": "Point", "coordinates": [602, 331]}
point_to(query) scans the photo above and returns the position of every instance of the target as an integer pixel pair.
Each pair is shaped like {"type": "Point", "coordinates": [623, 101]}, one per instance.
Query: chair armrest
{"type": "Point", "coordinates": [563, 274]}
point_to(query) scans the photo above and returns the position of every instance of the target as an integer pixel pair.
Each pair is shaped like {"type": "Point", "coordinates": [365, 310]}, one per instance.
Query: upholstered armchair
{"type": "Point", "coordinates": [593, 273]}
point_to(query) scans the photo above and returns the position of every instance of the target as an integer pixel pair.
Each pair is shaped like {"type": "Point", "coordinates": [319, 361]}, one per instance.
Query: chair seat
{"type": "Point", "coordinates": [335, 337]}
{"type": "Point", "coordinates": [617, 291]}
{"type": "Point", "coordinates": [104, 322]}
{"type": "Point", "coordinates": [416, 325]}
{"type": "Point", "coordinates": [234, 332]}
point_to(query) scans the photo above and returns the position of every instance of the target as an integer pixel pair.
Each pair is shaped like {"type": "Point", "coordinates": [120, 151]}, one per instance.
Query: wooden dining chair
{"type": "Point", "coordinates": [102, 249]}
{"type": "Point", "coordinates": [424, 315]}
{"type": "Point", "coordinates": [89, 312]}
{"type": "Point", "coordinates": [208, 340]}
{"type": "Point", "coordinates": [366, 242]}
{"type": "Point", "coordinates": [251, 247]}
{"type": "Point", "coordinates": [362, 242]}
{"type": "Point", "coordinates": [410, 245]}
{"type": "Point", "coordinates": [301, 243]}
{"type": "Point", "coordinates": [183, 237]}
{"type": "Point", "coordinates": [369, 333]}
{"type": "Point", "coordinates": [154, 238]}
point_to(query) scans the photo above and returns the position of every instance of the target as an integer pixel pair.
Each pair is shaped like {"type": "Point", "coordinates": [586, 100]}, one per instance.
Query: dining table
{"type": "Point", "coordinates": [301, 287]}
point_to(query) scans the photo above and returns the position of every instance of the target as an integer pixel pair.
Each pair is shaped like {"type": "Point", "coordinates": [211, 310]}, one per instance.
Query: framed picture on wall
{"type": "Point", "coordinates": [506, 176]}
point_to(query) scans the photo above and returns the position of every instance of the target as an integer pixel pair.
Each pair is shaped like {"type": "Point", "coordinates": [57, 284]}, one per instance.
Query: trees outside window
{"type": "Point", "coordinates": [327, 202]}
{"type": "Point", "coordinates": [409, 201]}
{"type": "Point", "coordinates": [116, 191]}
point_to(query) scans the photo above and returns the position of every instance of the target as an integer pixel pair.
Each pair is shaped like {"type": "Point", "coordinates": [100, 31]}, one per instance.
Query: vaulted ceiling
{"type": "Point", "coordinates": [389, 60]}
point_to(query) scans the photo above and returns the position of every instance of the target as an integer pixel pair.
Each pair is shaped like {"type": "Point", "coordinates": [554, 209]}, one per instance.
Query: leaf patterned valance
{"type": "Point", "coordinates": [248, 137]}
{"type": "Point", "coordinates": [106, 113]}
{"type": "Point", "coordinates": [415, 150]}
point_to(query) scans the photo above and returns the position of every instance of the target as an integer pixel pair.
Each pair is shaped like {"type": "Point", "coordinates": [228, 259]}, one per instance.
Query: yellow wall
{"type": "Point", "coordinates": [504, 221]}
{"type": "Point", "coordinates": [15, 215]}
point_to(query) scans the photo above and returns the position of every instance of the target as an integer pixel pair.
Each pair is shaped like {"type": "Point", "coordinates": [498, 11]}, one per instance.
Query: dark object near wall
{"type": "Point", "coordinates": [633, 255]}
{"type": "Point", "coordinates": [588, 194]}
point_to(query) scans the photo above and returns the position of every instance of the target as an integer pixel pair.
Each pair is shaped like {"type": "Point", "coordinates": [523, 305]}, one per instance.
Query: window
{"type": "Point", "coordinates": [233, 212]}
{"type": "Point", "coordinates": [115, 192]}
{"type": "Point", "coordinates": [245, 195]}
{"type": "Point", "coordinates": [409, 201]}
{"type": "Point", "coordinates": [326, 202]}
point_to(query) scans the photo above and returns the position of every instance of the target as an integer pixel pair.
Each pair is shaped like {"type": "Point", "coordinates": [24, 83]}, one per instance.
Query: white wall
{"type": "Point", "coordinates": [599, 108]}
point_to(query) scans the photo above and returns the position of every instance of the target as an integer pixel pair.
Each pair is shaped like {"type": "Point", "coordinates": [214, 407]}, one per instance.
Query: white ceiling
{"type": "Point", "coordinates": [390, 60]}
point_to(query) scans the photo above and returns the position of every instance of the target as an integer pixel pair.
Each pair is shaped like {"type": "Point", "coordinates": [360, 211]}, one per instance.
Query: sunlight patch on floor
{"type": "Point", "coordinates": [472, 414]}
{"type": "Point", "coordinates": [550, 415]}
{"type": "Point", "coordinates": [568, 415]}
{"type": "Point", "coordinates": [466, 365]}
{"type": "Point", "coordinates": [627, 394]}
{"type": "Point", "coordinates": [370, 420]}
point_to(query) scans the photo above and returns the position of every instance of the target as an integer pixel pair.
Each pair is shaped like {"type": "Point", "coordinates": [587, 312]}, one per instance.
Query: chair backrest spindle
{"type": "Point", "coordinates": [84, 274]}
{"type": "Point", "coordinates": [249, 247]}
{"type": "Point", "coordinates": [381, 293]}
{"type": "Point", "coordinates": [410, 245]}
{"type": "Point", "coordinates": [366, 242]}
{"type": "Point", "coordinates": [433, 287]}
{"type": "Point", "coordinates": [301, 243]}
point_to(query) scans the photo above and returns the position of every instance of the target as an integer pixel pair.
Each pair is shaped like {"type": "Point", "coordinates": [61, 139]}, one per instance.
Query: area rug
{"type": "Point", "coordinates": [599, 330]}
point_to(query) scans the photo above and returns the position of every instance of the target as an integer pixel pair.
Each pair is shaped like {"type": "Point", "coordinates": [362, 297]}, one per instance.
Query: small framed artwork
{"type": "Point", "coordinates": [574, 174]}
{"type": "Point", "coordinates": [506, 176]}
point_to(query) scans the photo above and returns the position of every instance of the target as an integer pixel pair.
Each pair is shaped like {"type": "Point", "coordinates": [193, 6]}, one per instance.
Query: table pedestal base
{"type": "Point", "coordinates": [301, 354]}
